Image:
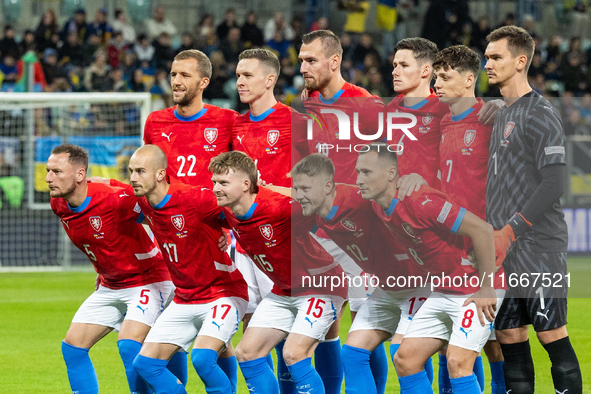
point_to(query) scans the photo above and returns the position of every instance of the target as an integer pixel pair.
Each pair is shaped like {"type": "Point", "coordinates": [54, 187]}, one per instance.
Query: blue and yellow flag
{"type": "Point", "coordinates": [386, 15]}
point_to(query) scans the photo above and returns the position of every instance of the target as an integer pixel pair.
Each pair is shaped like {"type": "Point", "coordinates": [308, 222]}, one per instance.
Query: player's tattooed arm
{"type": "Point", "coordinates": [407, 184]}
{"type": "Point", "coordinates": [488, 111]}
{"type": "Point", "coordinates": [481, 234]}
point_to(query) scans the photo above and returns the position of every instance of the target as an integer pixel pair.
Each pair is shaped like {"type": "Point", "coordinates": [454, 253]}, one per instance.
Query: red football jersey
{"type": "Point", "coordinates": [190, 142]}
{"type": "Point", "coordinates": [267, 140]}
{"type": "Point", "coordinates": [420, 156]}
{"type": "Point", "coordinates": [352, 225]}
{"type": "Point", "coordinates": [425, 224]}
{"type": "Point", "coordinates": [285, 254]}
{"type": "Point", "coordinates": [106, 227]}
{"type": "Point", "coordinates": [351, 100]}
{"type": "Point", "coordinates": [463, 153]}
{"type": "Point", "coordinates": [186, 225]}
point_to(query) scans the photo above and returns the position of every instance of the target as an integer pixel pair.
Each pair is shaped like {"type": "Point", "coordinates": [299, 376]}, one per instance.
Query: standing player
{"type": "Point", "coordinates": [264, 134]}
{"type": "Point", "coordinates": [425, 224]}
{"type": "Point", "coordinates": [320, 56]}
{"type": "Point", "coordinates": [210, 296]}
{"type": "Point", "coordinates": [349, 221]}
{"type": "Point", "coordinates": [191, 132]}
{"type": "Point", "coordinates": [286, 252]}
{"type": "Point", "coordinates": [134, 283]}
{"type": "Point", "coordinates": [464, 158]}
{"type": "Point", "coordinates": [525, 180]}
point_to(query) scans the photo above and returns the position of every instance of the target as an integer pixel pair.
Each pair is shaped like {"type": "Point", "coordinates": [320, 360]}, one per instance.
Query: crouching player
{"type": "Point", "coordinates": [285, 251]}
{"type": "Point", "coordinates": [210, 296]}
{"type": "Point", "coordinates": [134, 284]}
{"type": "Point", "coordinates": [455, 313]}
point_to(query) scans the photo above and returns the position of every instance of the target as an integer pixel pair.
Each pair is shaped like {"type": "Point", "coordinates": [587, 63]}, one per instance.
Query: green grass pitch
{"type": "Point", "coordinates": [36, 310]}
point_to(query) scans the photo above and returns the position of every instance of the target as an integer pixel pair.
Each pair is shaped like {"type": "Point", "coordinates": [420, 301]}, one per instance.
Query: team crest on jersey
{"type": "Point", "coordinates": [210, 134]}
{"type": "Point", "coordinates": [96, 223]}
{"type": "Point", "coordinates": [266, 231]}
{"type": "Point", "coordinates": [349, 224]}
{"type": "Point", "coordinates": [178, 221]}
{"type": "Point", "coordinates": [427, 118]}
{"type": "Point", "coordinates": [508, 129]}
{"type": "Point", "coordinates": [272, 137]}
{"type": "Point", "coordinates": [408, 229]}
{"type": "Point", "coordinates": [469, 137]}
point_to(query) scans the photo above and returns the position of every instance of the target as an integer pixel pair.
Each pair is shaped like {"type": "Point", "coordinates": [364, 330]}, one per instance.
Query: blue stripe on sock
{"type": "Point", "coordinates": [81, 372]}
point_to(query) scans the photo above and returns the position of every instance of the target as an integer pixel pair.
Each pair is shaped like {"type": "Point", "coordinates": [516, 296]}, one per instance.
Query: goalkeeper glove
{"type": "Point", "coordinates": [505, 237]}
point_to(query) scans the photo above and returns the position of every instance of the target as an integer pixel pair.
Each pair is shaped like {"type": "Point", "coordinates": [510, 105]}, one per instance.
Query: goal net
{"type": "Point", "coordinates": [108, 125]}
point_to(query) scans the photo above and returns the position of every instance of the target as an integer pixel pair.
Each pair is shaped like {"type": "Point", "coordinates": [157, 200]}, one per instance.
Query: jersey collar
{"type": "Point", "coordinates": [162, 203]}
{"type": "Point", "coordinates": [333, 99]}
{"type": "Point", "coordinates": [463, 115]}
{"type": "Point", "coordinates": [261, 116]}
{"type": "Point", "coordinates": [392, 207]}
{"type": "Point", "coordinates": [332, 213]}
{"type": "Point", "coordinates": [81, 207]}
{"type": "Point", "coordinates": [248, 214]}
{"type": "Point", "coordinates": [190, 118]}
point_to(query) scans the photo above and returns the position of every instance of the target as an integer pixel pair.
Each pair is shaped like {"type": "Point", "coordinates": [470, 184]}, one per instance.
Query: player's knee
{"type": "Point", "coordinates": [73, 354]}
{"type": "Point", "coordinates": [293, 354]}
{"type": "Point", "coordinates": [204, 360]}
{"type": "Point", "coordinates": [459, 365]}
{"type": "Point", "coordinates": [242, 354]}
{"type": "Point", "coordinates": [400, 361]}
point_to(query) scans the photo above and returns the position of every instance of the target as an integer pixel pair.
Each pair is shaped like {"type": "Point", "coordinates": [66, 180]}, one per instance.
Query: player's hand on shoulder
{"type": "Point", "coordinates": [485, 300]}
{"type": "Point", "coordinates": [223, 242]}
{"type": "Point", "coordinates": [488, 111]}
{"type": "Point", "coordinates": [305, 94]}
{"type": "Point", "coordinates": [99, 179]}
{"type": "Point", "coordinates": [407, 184]}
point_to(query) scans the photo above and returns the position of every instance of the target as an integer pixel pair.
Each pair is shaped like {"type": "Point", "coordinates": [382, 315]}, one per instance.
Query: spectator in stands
{"type": "Point", "coordinates": [72, 52]}
{"type": "Point", "coordinates": [574, 123]}
{"type": "Point", "coordinates": [538, 83]}
{"type": "Point", "coordinates": [205, 34]}
{"type": "Point", "coordinates": [347, 46]}
{"type": "Point", "coordinates": [120, 24]}
{"type": "Point", "coordinates": [528, 25]}
{"type": "Point", "coordinates": [575, 79]}
{"type": "Point", "coordinates": [375, 85]}
{"type": "Point", "coordinates": [137, 81]}
{"type": "Point", "coordinates": [8, 45]}
{"type": "Point", "coordinates": [143, 49]}
{"type": "Point", "coordinates": [508, 21]}
{"type": "Point", "coordinates": [219, 78]}
{"type": "Point", "coordinates": [55, 76]}
{"type": "Point", "coordinates": [553, 53]}
{"type": "Point", "coordinates": [275, 24]}
{"type": "Point", "coordinates": [8, 68]}
{"type": "Point", "coordinates": [536, 67]}
{"type": "Point", "coordinates": [163, 52]}
{"type": "Point", "coordinates": [117, 82]}
{"type": "Point", "coordinates": [160, 24]}
{"type": "Point", "coordinates": [161, 88]}
{"type": "Point", "coordinates": [579, 17]}
{"type": "Point", "coordinates": [47, 27]}
{"type": "Point", "coordinates": [445, 20]}
{"type": "Point", "coordinates": [116, 49]}
{"type": "Point", "coordinates": [27, 43]}
{"type": "Point", "coordinates": [100, 27]}
{"type": "Point", "coordinates": [187, 42]}
{"type": "Point", "coordinates": [364, 48]}
{"type": "Point", "coordinates": [479, 32]}
{"type": "Point", "coordinates": [96, 77]}
{"type": "Point", "coordinates": [320, 24]}
{"type": "Point", "coordinates": [78, 24]}
{"type": "Point", "coordinates": [129, 64]}
{"type": "Point", "coordinates": [280, 45]}
{"type": "Point", "coordinates": [287, 72]}
{"type": "Point", "coordinates": [584, 107]}
{"type": "Point", "coordinates": [227, 24]}
{"type": "Point", "coordinates": [251, 34]}
{"type": "Point", "coordinates": [575, 46]}
{"type": "Point", "coordinates": [231, 47]}
{"type": "Point", "coordinates": [92, 45]}
{"type": "Point", "coordinates": [297, 25]}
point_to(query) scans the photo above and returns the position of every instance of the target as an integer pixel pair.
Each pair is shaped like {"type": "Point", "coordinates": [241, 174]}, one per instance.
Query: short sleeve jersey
{"type": "Point", "coordinates": [425, 223]}
{"type": "Point", "coordinates": [186, 225]}
{"type": "Point", "coordinates": [420, 156]}
{"type": "Point", "coordinates": [463, 155]}
{"type": "Point", "coordinates": [106, 227]}
{"type": "Point", "coordinates": [526, 137]}
{"type": "Point", "coordinates": [326, 139]}
{"type": "Point", "coordinates": [353, 226]}
{"type": "Point", "coordinates": [265, 233]}
{"type": "Point", "coordinates": [190, 142]}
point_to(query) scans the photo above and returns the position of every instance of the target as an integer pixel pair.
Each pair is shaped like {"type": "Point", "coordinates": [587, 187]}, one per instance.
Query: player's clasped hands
{"type": "Point", "coordinates": [485, 300]}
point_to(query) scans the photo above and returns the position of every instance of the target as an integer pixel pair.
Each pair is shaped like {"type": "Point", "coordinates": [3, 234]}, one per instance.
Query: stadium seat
{"type": "Point", "coordinates": [11, 10]}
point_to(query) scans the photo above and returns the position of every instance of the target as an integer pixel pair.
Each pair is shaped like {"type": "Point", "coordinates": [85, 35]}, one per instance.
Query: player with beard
{"type": "Point", "coordinates": [191, 132]}
{"type": "Point", "coordinates": [133, 284]}
{"type": "Point", "coordinates": [526, 177]}
{"type": "Point", "coordinates": [326, 89]}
